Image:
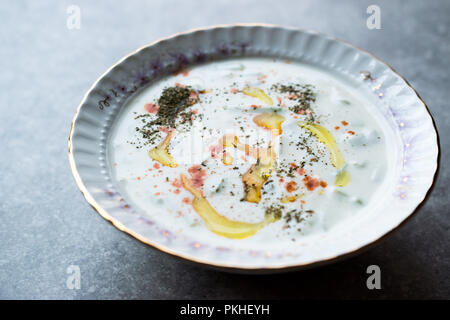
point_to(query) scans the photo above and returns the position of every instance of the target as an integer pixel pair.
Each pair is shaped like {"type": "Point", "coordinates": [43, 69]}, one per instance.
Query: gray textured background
{"type": "Point", "coordinates": [45, 223]}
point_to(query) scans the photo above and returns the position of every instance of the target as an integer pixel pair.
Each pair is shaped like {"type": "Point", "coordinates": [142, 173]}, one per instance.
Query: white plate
{"type": "Point", "coordinates": [402, 108]}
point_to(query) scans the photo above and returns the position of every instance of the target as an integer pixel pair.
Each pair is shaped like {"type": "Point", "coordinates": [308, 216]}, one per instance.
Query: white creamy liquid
{"type": "Point", "coordinates": [362, 143]}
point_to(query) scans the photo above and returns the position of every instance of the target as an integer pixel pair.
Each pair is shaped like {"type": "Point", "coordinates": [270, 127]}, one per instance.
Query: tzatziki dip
{"type": "Point", "coordinates": [250, 150]}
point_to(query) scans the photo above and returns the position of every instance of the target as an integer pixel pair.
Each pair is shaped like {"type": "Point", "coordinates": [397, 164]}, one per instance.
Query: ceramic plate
{"type": "Point", "coordinates": [408, 126]}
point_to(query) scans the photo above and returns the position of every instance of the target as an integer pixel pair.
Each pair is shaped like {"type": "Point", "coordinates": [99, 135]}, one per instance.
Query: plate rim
{"type": "Point", "coordinates": [233, 267]}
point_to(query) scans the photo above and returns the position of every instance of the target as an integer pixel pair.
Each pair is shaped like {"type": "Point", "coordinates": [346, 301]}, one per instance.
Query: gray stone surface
{"type": "Point", "coordinates": [46, 225]}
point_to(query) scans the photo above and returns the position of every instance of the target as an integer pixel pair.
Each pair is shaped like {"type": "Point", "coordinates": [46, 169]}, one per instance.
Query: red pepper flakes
{"type": "Point", "coordinates": [164, 129]}
{"type": "Point", "coordinates": [337, 128]}
{"type": "Point", "coordinates": [151, 108]}
{"type": "Point", "coordinates": [323, 184]}
{"type": "Point", "coordinates": [310, 183]}
{"type": "Point", "coordinates": [193, 97]}
{"type": "Point", "coordinates": [234, 90]}
{"type": "Point", "coordinates": [351, 132]}
{"type": "Point", "coordinates": [177, 183]}
{"type": "Point", "coordinates": [216, 150]}
{"type": "Point", "coordinates": [186, 200]}
{"type": "Point", "coordinates": [177, 191]}
{"type": "Point", "coordinates": [255, 106]}
{"type": "Point", "coordinates": [197, 175]}
{"type": "Point", "coordinates": [156, 165]}
{"type": "Point", "coordinates": [344, 123]}
{"type": "Point", "coordinates": [291, 186]}
{"type": "Point", "coordinates": [301, 171]}
{"type": "Point", "coordinates": [262, 77]}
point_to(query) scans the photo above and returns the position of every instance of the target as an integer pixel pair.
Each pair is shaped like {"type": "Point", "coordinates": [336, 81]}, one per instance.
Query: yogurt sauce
{"type": "Point", "coordinates": [223, 108]}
